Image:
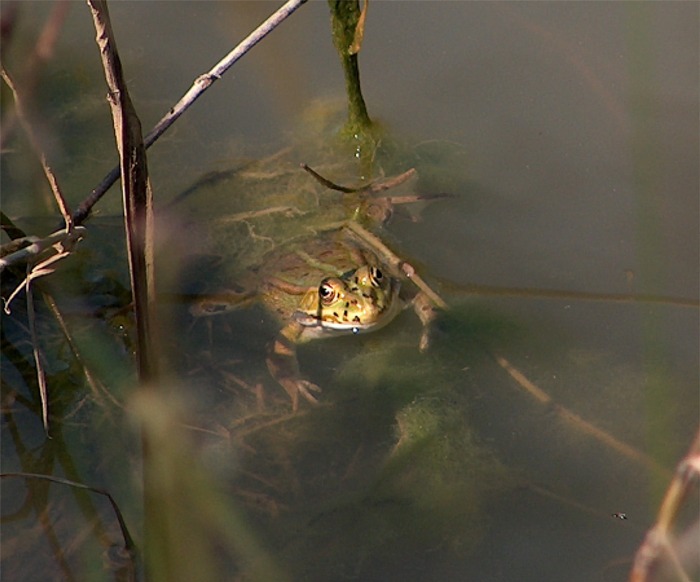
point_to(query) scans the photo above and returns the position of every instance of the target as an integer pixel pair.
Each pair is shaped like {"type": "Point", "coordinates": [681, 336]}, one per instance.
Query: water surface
{"type": "Point", "coordinates": [576, 125]}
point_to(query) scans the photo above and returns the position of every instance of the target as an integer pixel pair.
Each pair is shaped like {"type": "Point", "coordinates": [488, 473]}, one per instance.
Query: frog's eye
{"type": "Point", "coordinates": [376, 275]}
{"type": "Point", "coordinates": [327, 292]}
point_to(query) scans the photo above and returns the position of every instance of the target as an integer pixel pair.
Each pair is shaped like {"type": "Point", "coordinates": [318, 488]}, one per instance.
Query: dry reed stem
{"type": "Point", "coordinates": [200, 85]}
{"type": "Point", "coordinates": [136, 192]}
{"type": "Point", "coordinates": [657, 543]}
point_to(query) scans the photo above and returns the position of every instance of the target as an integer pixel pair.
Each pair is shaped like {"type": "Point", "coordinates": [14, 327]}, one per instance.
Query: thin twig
{"type": "Point", "coordinates": [61, 242]}
{"type": "Point", "coordinates": [371, 188]}
{"type": "Point", "coordinates": [63, 249]}
{"type": "Point", "coordinates": [40, 374]}
{"type": "Point", "coordinates": [35, 246]}
{"type": "Point", "coordinates": [375, 243]}
{"type": "Point", "coordinates": [327, 183]}
{"type": "Point", "coordinates": [95, 383]}
{"type": "Point", "coordinates": [201, 84]}
{"type": "Point", "coordinates": [658, 540]}
{"type": "Point", "coordinates": [129, 544]}
{"type": "Point", "coordinates": [575, 420]}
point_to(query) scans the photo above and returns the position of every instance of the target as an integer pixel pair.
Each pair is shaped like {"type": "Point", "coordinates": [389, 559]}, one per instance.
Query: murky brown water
{"type": "Point", "coordinates": [579, 174]}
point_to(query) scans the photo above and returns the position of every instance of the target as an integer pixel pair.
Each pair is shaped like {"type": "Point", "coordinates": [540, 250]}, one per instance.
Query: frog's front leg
{"type": "Point", "coordinates": [284, 367]}
{"type": "Point", "coordinates": [426, 312]}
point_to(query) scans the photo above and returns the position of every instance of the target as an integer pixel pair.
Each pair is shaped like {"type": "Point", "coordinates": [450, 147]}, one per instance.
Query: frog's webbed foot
{"type": "Point", "coordinates": [295, 386]}
{"type": "Point", "coordinates": [304, 387]}
{"type": "Point", "coordinates": [284, 367]}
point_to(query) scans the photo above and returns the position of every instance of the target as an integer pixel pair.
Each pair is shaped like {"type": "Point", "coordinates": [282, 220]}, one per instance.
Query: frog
{"type": "Point", "coordinates": [339, 280]}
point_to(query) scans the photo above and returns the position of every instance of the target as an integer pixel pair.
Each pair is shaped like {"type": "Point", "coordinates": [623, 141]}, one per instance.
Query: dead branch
{"type": "Point", "coordinates": [136, 191]}
{"type": "Point", "coordinates": [26, 248]}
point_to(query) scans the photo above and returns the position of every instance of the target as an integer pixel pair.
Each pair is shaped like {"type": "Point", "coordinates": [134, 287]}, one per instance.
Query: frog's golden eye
{"type": "Point", "coordinates": [376, 276]}
{"type": "Point", "coordinates": [327, 292]}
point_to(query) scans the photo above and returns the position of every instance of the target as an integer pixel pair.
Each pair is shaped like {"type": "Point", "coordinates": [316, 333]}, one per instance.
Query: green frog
{"type": "Point", "coordinates": [339, 280]}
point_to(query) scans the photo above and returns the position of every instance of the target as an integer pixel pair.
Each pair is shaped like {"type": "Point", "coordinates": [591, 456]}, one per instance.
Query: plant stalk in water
{"type": "Point", "coordinates": [348, 23]}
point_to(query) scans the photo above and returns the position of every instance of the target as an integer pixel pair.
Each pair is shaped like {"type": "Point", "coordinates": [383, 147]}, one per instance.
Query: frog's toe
{"type": "Point", "coordinates": [424, 343]}
{"type": "Point", "coordinates": [305, 388]}
{"type": "Point", "coordinates": [296, 387]}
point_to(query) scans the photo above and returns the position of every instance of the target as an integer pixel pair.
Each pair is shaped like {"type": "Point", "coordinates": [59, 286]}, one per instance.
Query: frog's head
{"type": "Point", "coordinates": [360, 300]}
